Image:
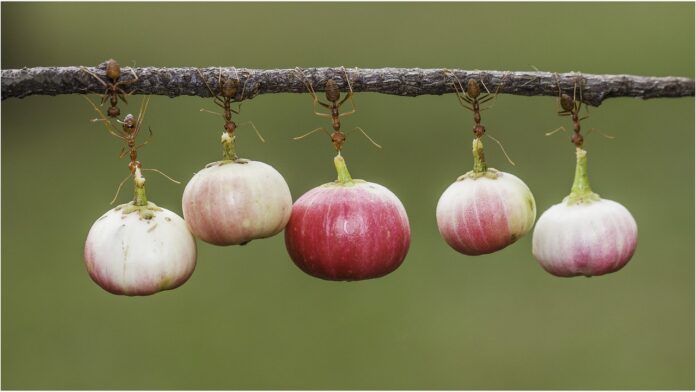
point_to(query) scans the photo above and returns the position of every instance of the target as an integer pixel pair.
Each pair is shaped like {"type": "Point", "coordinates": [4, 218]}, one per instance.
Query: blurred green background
{"type": "Point", "coordinates": [248, 318]}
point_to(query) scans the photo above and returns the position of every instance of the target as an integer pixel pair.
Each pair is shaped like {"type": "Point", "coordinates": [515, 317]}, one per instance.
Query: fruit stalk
{"type": "Point", "coordinates": [342, 170]}
{"type": "Point", "coordinates": [140, 198]}
{"type": "Point", "coordinates": [229, 152]}
{"type": "Point", "coordinates": [479, 159]}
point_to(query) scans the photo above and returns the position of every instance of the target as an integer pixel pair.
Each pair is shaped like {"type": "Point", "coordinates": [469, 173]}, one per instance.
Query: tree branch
{"type": "Point", "coordinates": [172, 82]}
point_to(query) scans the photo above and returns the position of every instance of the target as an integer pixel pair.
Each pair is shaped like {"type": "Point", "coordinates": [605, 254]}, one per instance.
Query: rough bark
{"type": "Point", "coordinates": [172, 82]}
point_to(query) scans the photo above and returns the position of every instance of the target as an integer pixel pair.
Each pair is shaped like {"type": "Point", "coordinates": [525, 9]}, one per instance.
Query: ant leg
{"type": "Point", "coordinates": [141, 115]}
{"type": "Point", "coordinates": [311, 132]}
{"type": "Point", "coordinates": [127, 82]}
{"type": "Point", "coordinates": [119, 188]}
{"type": "Point", "coordinates": [561, 128]}
{"type": "Point", "coordinates": [146, 140]}
{"type": "Point", "coordinates": [107, 123]}
{"type": "Point", "coordinates": [582, 86]}
{"type": "Point", "coordinates": [366, 135]}
{"type": "Point", "coordinates": [166, 176]}
{"type": "Point", "coordinates": [494, 95]}
{"type": "Point", "coordinates": [601, 133]}
{"type": "Point", "coordinates": [560, 93]}
{"type": "Point", "coordinates": [210, 111]}
{"type": "Point", "coordinates": [309, 87]}
{"type": "Point", "coordinates": [502, 149]}
{"type": "Point", "coordinates": [95, 76]}
{"type": "Point", "coordinates": [212, 94]}
{"type": "Point", "coordinates": [460, 96]}
{"type": "Point", "coordinates": [349, 95]}
{"type": "Point", "coordinates": [243, 86]}
{"type": "Point", "coordinates": [255, 130]}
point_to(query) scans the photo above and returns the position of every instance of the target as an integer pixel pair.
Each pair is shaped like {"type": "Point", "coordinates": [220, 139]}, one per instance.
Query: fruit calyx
{"type": "Point", "coordinates": [581, 191]}
{"type": "Point", "coordinates": [226, 161]}
{"type": "Point", "coordinates": [489, 173]}
{"type": "Point", "coordinates": [144, 208]}
{"type": "Point", "coordinates": [146, 212]}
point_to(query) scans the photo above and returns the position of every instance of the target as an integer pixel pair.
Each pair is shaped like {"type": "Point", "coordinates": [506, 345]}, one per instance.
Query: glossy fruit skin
{"type": "Point", "coordinates": [128, 255]}
{"type": "Point", "coordinates": [485, 213]}
{"type": "Point", "coordinates": [234, 203]}
{"type": "Point", "coordinates": [589, 239]}
{"type": "Point", "coordinates": [348, 232]}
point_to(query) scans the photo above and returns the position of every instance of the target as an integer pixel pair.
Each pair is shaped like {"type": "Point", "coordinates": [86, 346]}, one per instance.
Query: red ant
{"type": "Point", "coordinates": [570, 106]}
{"type": "Point", "coordinates": [471, 99]}
{"type": "Point", "coordinates": [228, 93]}
{"type": "Point", "coordinates": [128, 133]}
{"type": "Point", "coordinates": [333, 96]}
{"type": "Point", "coordinates": [113, 89]}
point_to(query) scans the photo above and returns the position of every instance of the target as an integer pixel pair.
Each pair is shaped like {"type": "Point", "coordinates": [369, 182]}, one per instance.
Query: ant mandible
{"type": "Point", "coordinates": [333, 96]}
{"type": "Point", "coordinates": [113, 88]}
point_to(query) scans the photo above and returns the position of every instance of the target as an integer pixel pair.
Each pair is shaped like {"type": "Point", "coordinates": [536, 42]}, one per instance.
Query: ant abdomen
{"type": "Point", "coordinates": [229, 88]}
{"type": "Point", "coordinates": [567, 103]}
{"type": "Point", "coordinates": [113, 69]}
{"type": "Point", "coordinates": [332, 92]}
{"type": "Point", "coordinates": [472, 88]}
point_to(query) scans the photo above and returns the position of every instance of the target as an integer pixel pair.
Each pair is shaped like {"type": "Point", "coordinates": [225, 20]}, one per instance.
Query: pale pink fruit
{"type": "Point", "coordinates": [234, 202]}
{"type": "Point", "coordinates": [481, 214]}
{"type": "Point", "coordinates": [139, 248]}
{"type": "Point", "coordinates": [584, 234]}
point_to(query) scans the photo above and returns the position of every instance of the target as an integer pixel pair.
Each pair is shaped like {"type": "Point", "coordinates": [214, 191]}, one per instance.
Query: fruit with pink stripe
{"type": "Point", "coordinates": [485, 210]}
{"type": "Point", "coordinates": [585, 234]}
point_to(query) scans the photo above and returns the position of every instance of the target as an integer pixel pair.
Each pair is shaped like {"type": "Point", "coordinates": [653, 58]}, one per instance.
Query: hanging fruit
{"type": "Point", "coordinates": [485, 210]}
{"type": "Point", "coordinates": [584, 234]}
{"type": "Point", "coordinates": [138, 248]}
{"type": "Point", "coordinates": [348, 229]}
{"type": "Point", "coordinates": [234, 201]}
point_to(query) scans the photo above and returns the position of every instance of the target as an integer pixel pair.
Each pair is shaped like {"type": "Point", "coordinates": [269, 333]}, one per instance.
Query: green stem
{"type": "Point", "coordinates": [479, 159]}
{"type": "Point", "coordinates": [342, 170]}
{"type": "Point", "coordinates": [140, 196]}
{"type": "Point", "coordinates": [581, 191]}
{"type": "Point", "coordinates": [228, 149]}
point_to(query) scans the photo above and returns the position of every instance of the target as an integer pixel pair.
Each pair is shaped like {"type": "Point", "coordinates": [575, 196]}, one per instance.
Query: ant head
{"type": "Point", "coordinates": [113, 70]}
{"type": "Point", "coordinates": [338, 138]}
{"type": "Point", "coordinates": [114, 111]}
{"type": "Point", "coordinates": [567, 102]}
{"type": "Point", "coordinates": [129, 121]}
{"type": "Point", "coordinates": [332, 93]}
{"type": "Point", "coordinates": [133, 165]}
{"type": "Point", "coordinates": [229, 88]}
{"type": "Point", "coordinates": [230, 126]}
{"type": "Point", "coordinates": [479, 130]}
